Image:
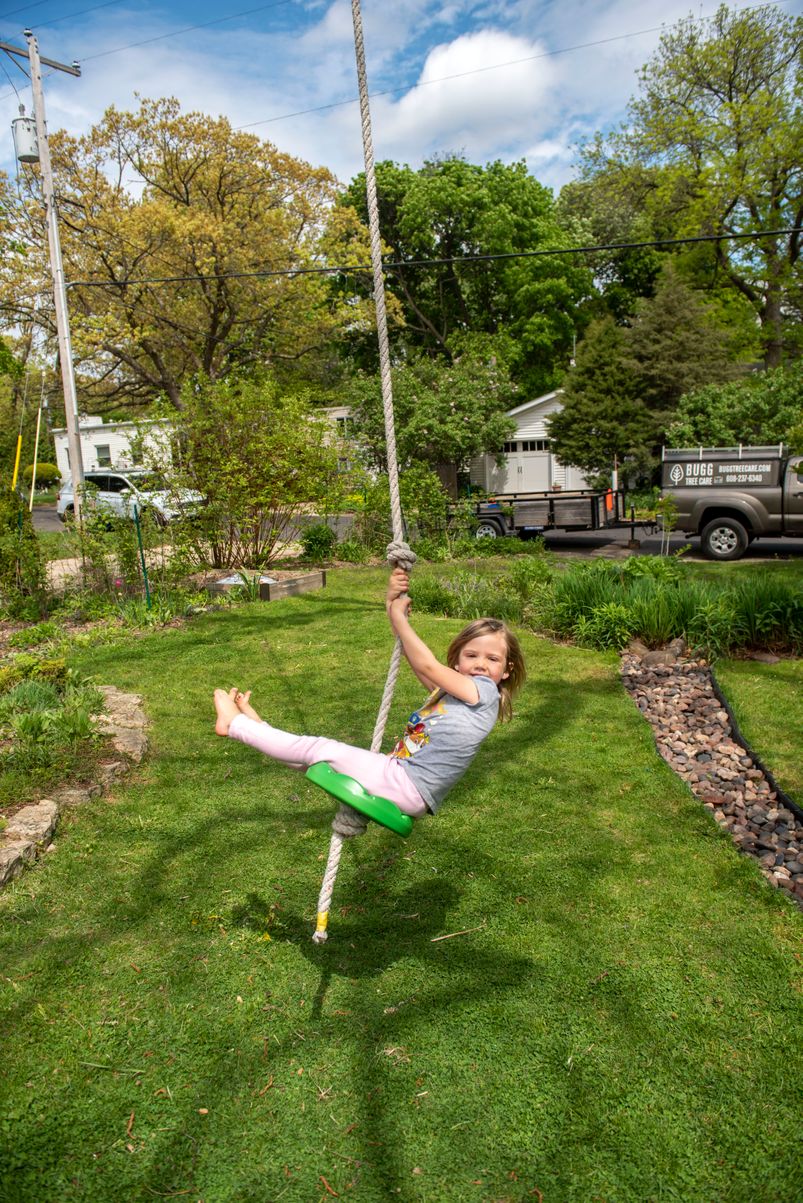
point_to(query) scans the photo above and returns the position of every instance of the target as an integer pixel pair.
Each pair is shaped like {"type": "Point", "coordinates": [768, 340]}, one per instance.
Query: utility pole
{"type": "Point", "coordinates": [56, 265]}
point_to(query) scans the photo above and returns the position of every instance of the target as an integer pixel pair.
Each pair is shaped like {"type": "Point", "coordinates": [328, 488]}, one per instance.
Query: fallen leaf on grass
{"type": "Point", "coordinates": [130, 1125]}
{"type": "Point", "coordinates": [328, 1188]}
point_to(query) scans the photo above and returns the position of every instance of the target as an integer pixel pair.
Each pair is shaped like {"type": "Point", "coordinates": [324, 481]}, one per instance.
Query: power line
{"type": "Point", "coordinates": [391, 265]}
{"type": "Point", "coordinates": [388, 91]}
{"type": "Point", "coordinates": [82, 13]}
{"type": "Point", "coordinates": [25, 8]}
{"type": "Point", "coordinates": [246, 12]}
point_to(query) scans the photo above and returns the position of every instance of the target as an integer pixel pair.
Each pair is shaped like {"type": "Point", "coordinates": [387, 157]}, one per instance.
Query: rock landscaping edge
{"type": "Point", "coordinates": [30, 831]}
{"type": "Point", "coordinates": [697, 735]}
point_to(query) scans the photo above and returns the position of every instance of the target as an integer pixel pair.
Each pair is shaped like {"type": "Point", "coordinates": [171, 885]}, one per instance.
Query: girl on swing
{"type": "Point", "coordinates": [484, 668]}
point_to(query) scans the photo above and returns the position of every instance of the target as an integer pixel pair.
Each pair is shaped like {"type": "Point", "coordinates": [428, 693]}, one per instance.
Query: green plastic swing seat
{"type": "Point", "coordinates": [347, 790]}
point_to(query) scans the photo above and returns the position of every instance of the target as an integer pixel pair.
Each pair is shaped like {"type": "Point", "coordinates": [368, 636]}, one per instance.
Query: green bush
{"type": "Point", "coordinates": [353, 551]}
{"type": "Point", "coordinates": [604, 604]}
{"type": "Point", "coordinates": [317, 541]}
{"type": "Point", "coordinates": [424, 504]}
{"type": "Point", "coordinates": [46, 728]}
{"type": "Point", "coordinates": [46, 475]}
{"type": "Point", "coordinates": [22, 569]}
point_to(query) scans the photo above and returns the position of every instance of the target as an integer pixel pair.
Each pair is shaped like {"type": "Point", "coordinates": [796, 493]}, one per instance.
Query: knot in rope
{"type": "Point", "coordinates": [401, 555]}
{"type": "Point", "coordinates": [348, 823]}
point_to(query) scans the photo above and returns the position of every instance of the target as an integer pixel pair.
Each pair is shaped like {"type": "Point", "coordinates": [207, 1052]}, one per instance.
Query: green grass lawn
{"type": "Point", "coordinates": [767, 700]}
{"type": "Point", "coordinates": [624, 1024]}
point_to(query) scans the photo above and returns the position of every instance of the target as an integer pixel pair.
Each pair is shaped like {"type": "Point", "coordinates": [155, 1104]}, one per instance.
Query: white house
{"type": "Point", "coordinates": [530, 466]}
{"type": "Point", "coordinates": [116, 444]}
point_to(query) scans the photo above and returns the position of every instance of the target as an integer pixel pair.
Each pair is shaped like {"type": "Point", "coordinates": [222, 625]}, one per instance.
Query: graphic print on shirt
{"type": "Point", "coordinates": [416, 733]}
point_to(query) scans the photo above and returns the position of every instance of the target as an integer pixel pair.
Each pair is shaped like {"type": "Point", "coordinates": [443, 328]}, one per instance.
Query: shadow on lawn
{"type": "Point", "coordinates": [394, 927]}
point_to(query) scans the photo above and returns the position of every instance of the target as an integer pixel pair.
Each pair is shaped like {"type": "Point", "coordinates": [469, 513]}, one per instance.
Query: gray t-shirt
{"type": "Point", "coordinates": [442, 738]}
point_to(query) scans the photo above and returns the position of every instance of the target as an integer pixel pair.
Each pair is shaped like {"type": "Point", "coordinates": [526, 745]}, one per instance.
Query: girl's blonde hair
{"type": "Point", "coordinates": [515, 660]}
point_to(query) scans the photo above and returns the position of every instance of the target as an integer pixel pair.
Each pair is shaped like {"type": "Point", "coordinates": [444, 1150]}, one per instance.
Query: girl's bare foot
{"type": "Point", "coordinates": [243, 703]}
{"type": "Point", "coordinates": [226, 710]}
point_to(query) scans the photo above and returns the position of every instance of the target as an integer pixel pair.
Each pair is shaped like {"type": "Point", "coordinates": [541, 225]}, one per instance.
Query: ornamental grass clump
{"type": "Point", "coordinates": [655, 599]}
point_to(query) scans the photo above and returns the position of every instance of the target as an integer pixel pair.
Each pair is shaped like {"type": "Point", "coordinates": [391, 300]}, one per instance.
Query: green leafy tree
{"type": "Point", "coordinates": [764, 408]}
{"type": "Point", "coordinates": [675, 346]}
{"type": "Point", "coordinates": [635, 376]}
{"type": "Point", "coordinates": [603, 420]}
{"type": "Point", "coordinates": [713, 145]}
{"type": "Point", "coordinates": [608, 208]}
{"type": "Point", "coordinates": [176, 263]}
{"type": "Point", "coordinates": [259, 455]}
{"type": "Point", "coordinates": [451, 209]}
{"type": "Point", "coordinates": [445, 413]}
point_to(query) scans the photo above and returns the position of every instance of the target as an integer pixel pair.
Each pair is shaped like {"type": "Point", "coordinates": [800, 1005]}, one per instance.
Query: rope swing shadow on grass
{"type": "Point", "coordinates": [348, 823]}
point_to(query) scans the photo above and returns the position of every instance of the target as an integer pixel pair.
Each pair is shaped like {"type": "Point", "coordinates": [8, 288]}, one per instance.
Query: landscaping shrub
{"type": "Point", "coordinates": [317, 541]}
{"type": "Point", "coordinates": [424, 504]}
{"type": "Point", "coordinates": [46, 475]}
{"type": "Point", "coordinates": [353, 551]}
{"type": "Point", "coordinates": [610, 625]}
{"type": "Point", "coordinates": [22, 569]}
{"type": "Point", "coordinates": [767, 613]}
{"type": "Point", "coordinates": [46, 728]}
{"type": "Point", "coordinates": [604, 605]}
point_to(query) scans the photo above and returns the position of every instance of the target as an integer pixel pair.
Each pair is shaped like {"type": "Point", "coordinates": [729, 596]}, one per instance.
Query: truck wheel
{"type": "Point", "coordinates": [724, 539]}
{"type": "Point", "coordinates": [487, 529]}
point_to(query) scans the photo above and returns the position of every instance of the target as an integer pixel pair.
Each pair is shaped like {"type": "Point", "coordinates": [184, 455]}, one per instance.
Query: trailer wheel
{"type": "Point", "coordinates": [487, 529]}
{"type": "Point", "coordinates": [724, 539]}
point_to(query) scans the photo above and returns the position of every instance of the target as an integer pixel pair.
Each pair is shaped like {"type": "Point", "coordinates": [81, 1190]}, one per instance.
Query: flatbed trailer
{"type": "Point", "coordinates": [523, 514]}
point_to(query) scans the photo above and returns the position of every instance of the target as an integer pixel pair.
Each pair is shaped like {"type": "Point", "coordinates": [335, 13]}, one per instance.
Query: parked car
{"type": "Point", "coordinates": [118, 492]}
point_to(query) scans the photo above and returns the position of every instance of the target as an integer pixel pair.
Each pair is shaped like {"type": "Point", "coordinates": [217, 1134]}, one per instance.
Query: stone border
{"type": "Point", "coordinates": [30, 830]}
{"type": "Point", "coordinates": [697, 736]}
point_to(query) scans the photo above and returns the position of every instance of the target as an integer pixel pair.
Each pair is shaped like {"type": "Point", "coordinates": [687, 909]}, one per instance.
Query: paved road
{"type": "Point", "coordinates": [564, 542]}
{"type": "Point", "coordinates": [46, 518]}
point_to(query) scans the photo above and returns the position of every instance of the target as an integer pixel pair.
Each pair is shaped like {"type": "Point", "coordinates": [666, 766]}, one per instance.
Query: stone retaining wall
{"type": "Point", "coordinates": [30, 831]}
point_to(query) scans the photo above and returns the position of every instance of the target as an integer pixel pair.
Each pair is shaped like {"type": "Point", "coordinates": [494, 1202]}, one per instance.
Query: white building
{"type": "Point", "coordinates": [530, 466]}
{"type": "Point", "coordinates": [116, 444]}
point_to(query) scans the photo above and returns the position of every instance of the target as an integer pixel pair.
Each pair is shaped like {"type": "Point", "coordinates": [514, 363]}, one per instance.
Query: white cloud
{"type": "Point", "coordinates": [302, 57]}
{"type": "Point", "coordinates": [462, 105]}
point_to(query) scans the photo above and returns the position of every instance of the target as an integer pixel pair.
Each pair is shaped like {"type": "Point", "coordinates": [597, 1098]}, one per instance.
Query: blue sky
{"type": "Point", "coordinates": [492, 79]}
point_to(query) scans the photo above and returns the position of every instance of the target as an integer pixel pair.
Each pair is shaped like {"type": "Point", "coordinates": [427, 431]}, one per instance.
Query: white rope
{"type": "Point", "coordinates": [347, 823]}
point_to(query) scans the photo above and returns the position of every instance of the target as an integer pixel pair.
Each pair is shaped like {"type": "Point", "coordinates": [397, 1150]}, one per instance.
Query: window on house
{"type": "Point", "coordinates": [510, 447]}
{"type": "Point", "coordinates": [343, 427]}
{"type": "Point", "coordinates": [103, 453]}
{"type": "Point", "coordinates": [535, 445]}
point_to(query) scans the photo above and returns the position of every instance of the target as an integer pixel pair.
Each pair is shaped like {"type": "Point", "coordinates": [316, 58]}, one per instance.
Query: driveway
{"type": "Point", "coordinates": [46, 518]}
{"type": "Point", "coordinates": [594, 542]}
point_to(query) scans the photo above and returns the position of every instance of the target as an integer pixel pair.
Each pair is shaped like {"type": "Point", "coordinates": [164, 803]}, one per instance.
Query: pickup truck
{"type": "Point", "coordinates": [732, 495]}
{"type": "Point", "coordinates": [523, 514]}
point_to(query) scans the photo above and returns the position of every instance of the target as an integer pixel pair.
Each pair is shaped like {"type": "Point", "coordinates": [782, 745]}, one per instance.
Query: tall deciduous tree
{"type": "Point", "coordinates": [445, 413]}
{"type": "Point", "coordinates": [764, 408]}
{"type": "Point", "coordinates": [714, 146]}
{"type": "Point", "coordinates": [451, 209]}
{"type": "Point", "coordinates": [173, 214]}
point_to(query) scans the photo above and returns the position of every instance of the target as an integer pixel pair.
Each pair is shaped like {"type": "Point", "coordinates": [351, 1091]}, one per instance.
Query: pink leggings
{"type": "Point", "coordinates": [376, 773]}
